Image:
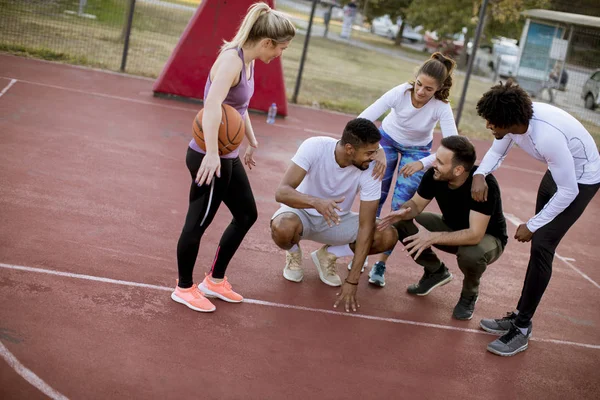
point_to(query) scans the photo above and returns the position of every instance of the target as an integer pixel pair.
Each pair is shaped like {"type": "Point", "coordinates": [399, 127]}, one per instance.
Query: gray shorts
{"type": "Point", "coordinates": [316, 229]}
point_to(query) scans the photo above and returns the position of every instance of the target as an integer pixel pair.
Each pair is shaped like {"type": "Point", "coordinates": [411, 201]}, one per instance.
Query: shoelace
{"type": "Point", "coordinates": [196, 292]}
{"type": "Point", "coordinates": [379, 268]}
{"type": "Point", "coordinates": [296, 257]}
{"type": "Point", "coordinates": [509, 317]}
{"type": "Point", "coordinates": [510, 335]}
{"type": "Point", "coordinates": [330, 267]}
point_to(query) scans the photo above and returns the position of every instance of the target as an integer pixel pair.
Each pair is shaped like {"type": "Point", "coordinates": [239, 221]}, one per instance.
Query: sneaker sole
{"type": "Point", "coordinates": [209, 293]}
{"type": "Point", "coordinates": [498, 353]}
{"type": "Point", "coordinates": [490, 330]}
{"type": "Point", "coordinates": [291, 279]}
{"type": "Point", "coordinates": [318, 265]}
{"type": "Point", "coordinates": [376, 283]}
{"type": "Point", "coordinates": [188, 305]}
{"type": "Point", "coordinates": [462, 319]}
{"type": "Point", "coordinates": [442, 283]}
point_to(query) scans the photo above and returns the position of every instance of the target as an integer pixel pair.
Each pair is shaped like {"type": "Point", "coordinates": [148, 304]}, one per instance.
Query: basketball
{"type": "Point", "coordinates": [231, 130]}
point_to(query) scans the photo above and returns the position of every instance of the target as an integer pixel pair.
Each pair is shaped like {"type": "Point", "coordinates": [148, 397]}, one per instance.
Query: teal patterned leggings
{"type": "Point", "coordinates": [405, 188]}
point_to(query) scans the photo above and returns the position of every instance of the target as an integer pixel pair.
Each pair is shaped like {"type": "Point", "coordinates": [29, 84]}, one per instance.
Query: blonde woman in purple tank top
{"type": "Point", "coordinates": [263, 35]}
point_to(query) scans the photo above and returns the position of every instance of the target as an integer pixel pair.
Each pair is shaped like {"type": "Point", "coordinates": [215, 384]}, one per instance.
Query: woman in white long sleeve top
{"type": "Point", "coordinates": [407, 133]}
{"type": "Point", "coordinates": [556, 138]}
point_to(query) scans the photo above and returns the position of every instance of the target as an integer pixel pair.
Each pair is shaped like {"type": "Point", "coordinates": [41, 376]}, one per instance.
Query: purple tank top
{"type": "Point", "coordinates": [238, 98]}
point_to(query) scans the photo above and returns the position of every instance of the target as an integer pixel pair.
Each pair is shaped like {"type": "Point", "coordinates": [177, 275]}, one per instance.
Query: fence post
{"type": "Point", "coordinates": [127, 33]}
{"type": "Point", "coordinates": [299, 78]}
{"type": "Point", "coordinates": [479, 30]}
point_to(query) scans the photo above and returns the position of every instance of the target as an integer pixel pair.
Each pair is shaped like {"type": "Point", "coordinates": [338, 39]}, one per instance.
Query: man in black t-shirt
{"type": "Point", "coordinates": [475, 232]}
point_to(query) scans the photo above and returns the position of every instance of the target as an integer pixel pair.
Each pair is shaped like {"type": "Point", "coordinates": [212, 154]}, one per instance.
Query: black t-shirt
{"type": "Point", "coordinates": [456, 204]}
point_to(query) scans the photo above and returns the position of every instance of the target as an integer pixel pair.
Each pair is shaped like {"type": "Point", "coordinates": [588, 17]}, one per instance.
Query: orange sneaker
{"type": "Point", "coordinates": [193, 298]}
{"type": "Point", "coordinates": [221, 290]}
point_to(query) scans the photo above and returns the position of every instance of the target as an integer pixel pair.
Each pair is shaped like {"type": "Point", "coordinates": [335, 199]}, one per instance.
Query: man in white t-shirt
{"type": "Point", "coordinates": [317, 193]}
{"type": "Point", "coordinates": [556, 138]}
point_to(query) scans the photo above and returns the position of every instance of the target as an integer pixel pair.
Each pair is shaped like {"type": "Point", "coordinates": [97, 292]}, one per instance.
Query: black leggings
{"type": "Point", "coordinates": [233, 189]}
{"type": "Point", "coordinates": [544, 243]}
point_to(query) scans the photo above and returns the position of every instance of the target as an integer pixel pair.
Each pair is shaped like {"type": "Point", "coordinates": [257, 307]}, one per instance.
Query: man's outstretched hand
{"type": "Point", "coordinates": [347, 296]}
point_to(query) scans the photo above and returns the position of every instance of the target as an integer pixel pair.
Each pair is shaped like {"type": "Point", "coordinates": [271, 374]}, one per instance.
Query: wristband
{"type": "Point", "coordinates": [350, 283]}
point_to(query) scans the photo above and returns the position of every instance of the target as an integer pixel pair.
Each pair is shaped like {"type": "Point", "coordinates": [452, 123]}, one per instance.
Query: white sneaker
{"type": "Point", "coordinates": [365, 265]}
{"type": "Point", "coordinates": [293, 266]}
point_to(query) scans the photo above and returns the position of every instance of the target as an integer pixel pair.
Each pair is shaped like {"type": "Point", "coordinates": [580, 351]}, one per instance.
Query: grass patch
{"type": "Point", "coordinates": [337, 76]}
{"type": "Point", "coordinates": [44, 54]}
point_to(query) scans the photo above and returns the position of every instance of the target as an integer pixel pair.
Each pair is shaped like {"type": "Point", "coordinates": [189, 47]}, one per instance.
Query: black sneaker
{"type": "Point", "coordinates": [498, 326]}
{"type": "Point", "coordinates": [430, 281]}
{"type": "Point", "coordinates": [465, 307]}
{"type": "Point", "coordinates": [512, 342]}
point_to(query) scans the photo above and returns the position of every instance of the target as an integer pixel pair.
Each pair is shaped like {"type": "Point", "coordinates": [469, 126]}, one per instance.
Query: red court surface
{"type": "Point", "coordinates": [93, 196]}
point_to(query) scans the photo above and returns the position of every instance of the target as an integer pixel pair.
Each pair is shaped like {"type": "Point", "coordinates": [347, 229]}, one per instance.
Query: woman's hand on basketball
{"type": "Point", "coordinates": [479, 188]}
{"type": "Point", "coordinates": [380, 165]}
{"type": "Point", "coordinates": [249, 156]}
{"type": "Point", "coordinates": [411, 168]}
{"type": "Point", "coordinates": [210, 167]}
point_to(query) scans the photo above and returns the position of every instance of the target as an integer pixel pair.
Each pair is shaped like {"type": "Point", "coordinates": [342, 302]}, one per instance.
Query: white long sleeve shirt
{"type": "Point", "coordinates": [408, 125]}
{"type": "Point", "coordinates": [558, 139]}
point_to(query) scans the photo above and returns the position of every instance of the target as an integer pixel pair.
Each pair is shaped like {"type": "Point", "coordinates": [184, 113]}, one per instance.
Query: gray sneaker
{"type": "Point", "coordinates": [511, 343]}
{"type": "Point", "coordinates": [498, 326]}
{"type": "Point", "coordinates": [376, 275]}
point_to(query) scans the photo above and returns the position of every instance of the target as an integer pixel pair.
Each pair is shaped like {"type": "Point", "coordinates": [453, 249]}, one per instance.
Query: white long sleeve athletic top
{"type": "Point", "coordinates": [408, 125]}
{"type": "Point", "coordinates": [558, 139]}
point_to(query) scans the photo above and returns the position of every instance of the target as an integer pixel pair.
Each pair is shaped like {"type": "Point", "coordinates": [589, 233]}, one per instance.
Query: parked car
{"type": "Point", "coordinates": [591, 90]}
{"type": "Point", "coordinates": [450, 45]}
{"type": "Point", "coordinates": [384, 26]}
{"type": "Point", "coordinates": [413, 34]}
{"type": "Point", "coordinates": [504, 56]}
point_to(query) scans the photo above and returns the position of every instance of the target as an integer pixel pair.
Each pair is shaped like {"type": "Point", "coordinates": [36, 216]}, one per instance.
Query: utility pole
{"type": "Point", "coordinates": [478, 32]}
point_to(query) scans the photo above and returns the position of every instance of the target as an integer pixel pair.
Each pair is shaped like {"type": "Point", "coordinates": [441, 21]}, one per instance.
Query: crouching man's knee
{"type": "Point", "coordinates": [285, 230]}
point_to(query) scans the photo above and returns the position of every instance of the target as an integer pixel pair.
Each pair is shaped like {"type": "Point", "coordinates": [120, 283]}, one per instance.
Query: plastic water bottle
{"type": "Point", "coordinates": [272, 114]}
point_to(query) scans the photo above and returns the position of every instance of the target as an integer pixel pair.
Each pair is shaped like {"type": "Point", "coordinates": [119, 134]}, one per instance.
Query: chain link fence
{"type": "Point", "coordinates": [344, 74]}
{"type": "Point", "coordinates": [136, 36]}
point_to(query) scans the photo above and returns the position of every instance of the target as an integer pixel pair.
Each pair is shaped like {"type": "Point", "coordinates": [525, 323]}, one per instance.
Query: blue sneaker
{"type": "Point", "coordinates": [376, 275]}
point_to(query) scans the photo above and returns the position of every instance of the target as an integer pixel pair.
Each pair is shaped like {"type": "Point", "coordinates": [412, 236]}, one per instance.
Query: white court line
{"type": "Point", "coordinates": [127, 253]}
{"type": "Point", "coordinates": [516, 221]}
{"type": "Point", "coordinates": [330, 134]}
{"type": "Point", "coordinates": [107, 96]}
{"type": "Point", "coordinates": [287, 306]}
{"type": "Point", "coordinates": [12, 82]}
{"type": "Point", "coordinates": [28, 375]}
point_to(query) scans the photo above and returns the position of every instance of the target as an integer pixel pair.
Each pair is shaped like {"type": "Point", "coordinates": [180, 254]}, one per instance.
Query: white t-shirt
{"type": "Point", "coordinates": [558, 139]}
{"type": "Point", "coordinates": [325, 179]}
{"type": "Point", "coordinates": [408, 125]}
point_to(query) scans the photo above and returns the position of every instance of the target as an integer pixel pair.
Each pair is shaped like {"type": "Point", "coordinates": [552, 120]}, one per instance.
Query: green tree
{"type": "Point", "coordinates": [503, 17]}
